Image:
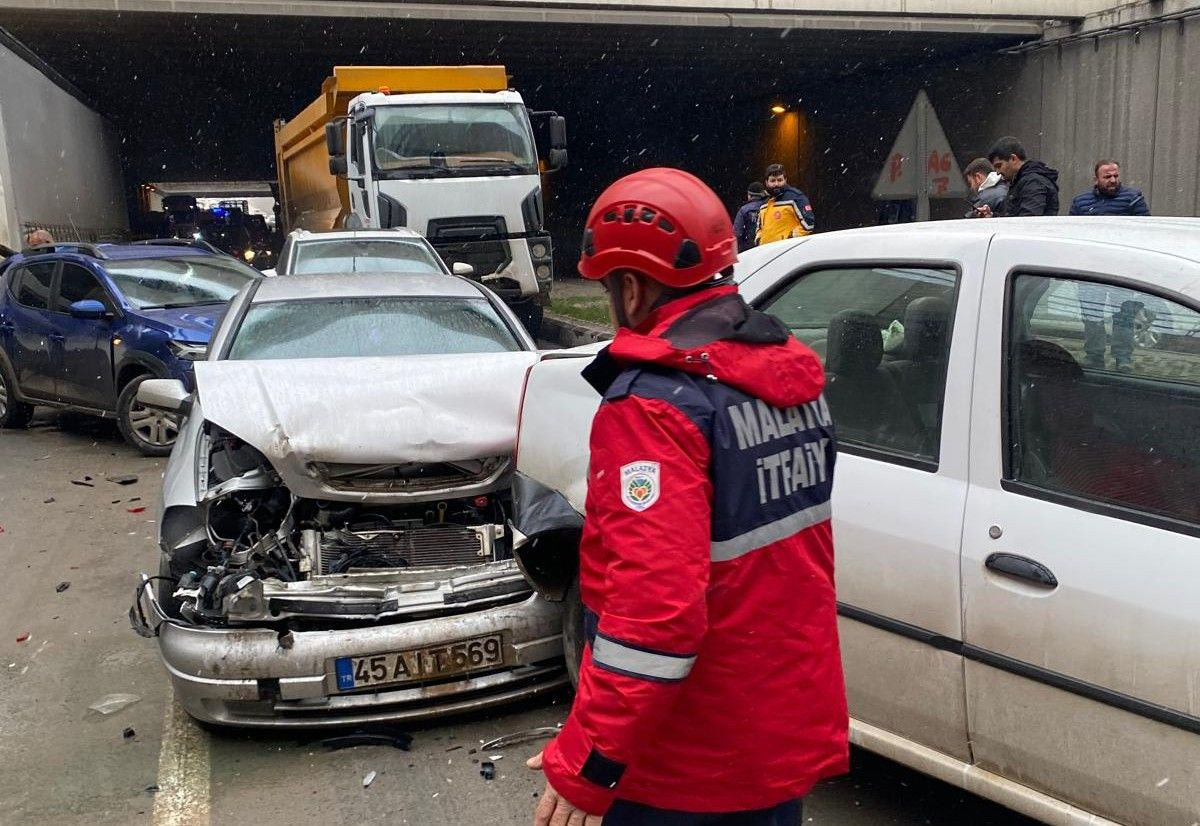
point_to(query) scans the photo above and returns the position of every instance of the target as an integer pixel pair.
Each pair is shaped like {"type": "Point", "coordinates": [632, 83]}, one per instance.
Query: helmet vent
{"type": "Point", "coordinates": [609, 217]}
{"type": "Point", "coordinates": [665, 225]}
{"type": "Point", "coordinates": [688, 255]}
{"type": "Point", "coordinates": [589, 246]}
{"type": "Point", "coordinates": [647, 215]}
{"type": "Point", "coordinates": [629, 214]}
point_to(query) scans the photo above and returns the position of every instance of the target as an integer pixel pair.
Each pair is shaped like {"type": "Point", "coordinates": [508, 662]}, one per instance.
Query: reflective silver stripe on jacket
{"type": "Point", "coordinates": [616, 656]}
{"type": "Point", "coordinates": [760, 537]}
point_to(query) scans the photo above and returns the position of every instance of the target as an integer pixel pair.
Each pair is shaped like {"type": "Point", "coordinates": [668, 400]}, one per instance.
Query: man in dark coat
{"type": "Point", "coordinates": [1108, 196]}
{"type": "Point", "coordinates": [1032, 186]}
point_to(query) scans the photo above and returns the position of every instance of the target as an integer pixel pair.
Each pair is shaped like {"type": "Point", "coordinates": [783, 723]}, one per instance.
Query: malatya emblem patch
{"type": "Point", "coordinates": [640, 485]}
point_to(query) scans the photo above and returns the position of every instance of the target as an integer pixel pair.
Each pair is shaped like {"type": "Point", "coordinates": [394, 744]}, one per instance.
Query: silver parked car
{"type": "Point", "coordinates": [397, 250]}
{"type": "Point", "coordinates": [333, 527]}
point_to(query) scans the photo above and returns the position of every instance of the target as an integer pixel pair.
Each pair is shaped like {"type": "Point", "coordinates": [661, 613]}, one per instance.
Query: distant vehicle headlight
{"type": "Point", "coordinates": [188, 350]}
{"type": "Point", "coordinates": [248, 255]}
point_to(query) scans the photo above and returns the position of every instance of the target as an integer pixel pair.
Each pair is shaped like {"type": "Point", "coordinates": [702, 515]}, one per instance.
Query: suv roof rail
{"type": "Point", "coordinates": [69, 246]}
{"type": "Point", "coordinates": [196, 243]}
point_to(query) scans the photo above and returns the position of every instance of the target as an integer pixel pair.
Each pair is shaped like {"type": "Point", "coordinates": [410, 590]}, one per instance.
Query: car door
{"type": "Point", "coordinates": [900, 410]}
{"type": "Point", "coordinates": [1081, 556]}
{"type": "Point", "coordinates": [85, 372]}
{"type": "Point", "coordinates": [33, 341]}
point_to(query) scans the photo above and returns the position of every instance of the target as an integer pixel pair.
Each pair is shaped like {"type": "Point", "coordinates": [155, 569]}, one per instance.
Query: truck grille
{"type": "Point", "coordinates": [434, 545]}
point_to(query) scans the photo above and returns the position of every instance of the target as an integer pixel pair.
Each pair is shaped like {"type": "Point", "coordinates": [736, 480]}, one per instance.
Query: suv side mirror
{"type": "Point", "coordinates": [165, 394]}
{"type": "Point", "coordinates": [89, 308]}
{"type": "Point", "coordinates": [462, 268]}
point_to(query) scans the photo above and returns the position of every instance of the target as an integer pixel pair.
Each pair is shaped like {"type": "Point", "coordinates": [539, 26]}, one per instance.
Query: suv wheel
{"type": "Point", "coordinates": [153, 432]}
{"type": "Point", "coordinates": [13, 413]}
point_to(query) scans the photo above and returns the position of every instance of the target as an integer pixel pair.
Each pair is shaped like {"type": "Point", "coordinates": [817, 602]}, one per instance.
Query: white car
{"type": "Point", "coordinates": [1016, 512]}
{"type": "Point", "coordinates": [361, 250]}
{"type": "Point", "coordinates": [335, 547]}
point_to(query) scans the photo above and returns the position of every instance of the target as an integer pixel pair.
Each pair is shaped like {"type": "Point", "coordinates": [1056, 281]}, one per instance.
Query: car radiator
{"type": "Point", "coordinates": [427, 546]}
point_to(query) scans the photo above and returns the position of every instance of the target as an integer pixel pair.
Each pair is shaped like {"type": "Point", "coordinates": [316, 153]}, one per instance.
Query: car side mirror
{"type": "Point", "coordinates": [462, 268]}
{"type": "Point", "coordinates": [89, 308]}
{"type": "Point", "coordinates": [165, 394]}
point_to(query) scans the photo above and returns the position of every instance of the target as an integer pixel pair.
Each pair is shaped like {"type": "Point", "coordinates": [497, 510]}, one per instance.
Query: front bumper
{"type": "Point", "coordinates": [258, 677]}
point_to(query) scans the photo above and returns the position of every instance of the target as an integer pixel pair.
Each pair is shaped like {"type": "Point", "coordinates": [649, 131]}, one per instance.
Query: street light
{"type": "Point", "coordinates": [778, 108]}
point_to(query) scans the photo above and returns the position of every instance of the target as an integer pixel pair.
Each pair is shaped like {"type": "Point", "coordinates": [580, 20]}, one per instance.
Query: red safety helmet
{"type": "Point", "coordinates": [662, 222]}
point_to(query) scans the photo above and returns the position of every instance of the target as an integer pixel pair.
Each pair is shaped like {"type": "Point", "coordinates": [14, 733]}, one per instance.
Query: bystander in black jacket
{"type": "Point", "coordinates": [1034, 191]}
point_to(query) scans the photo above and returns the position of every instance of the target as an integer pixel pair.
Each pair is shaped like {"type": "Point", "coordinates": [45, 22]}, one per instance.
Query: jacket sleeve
{"type": "Point", "coordinates": [1139, 205]}
{"type": "Point", "coordinates": [650, 503]}
{"type": "Point", "coordinates": [739, 227]}
{"type": "Point", "coordinates": [808, 220]}
{"type": "Point", "coordinates": [1077, 205]}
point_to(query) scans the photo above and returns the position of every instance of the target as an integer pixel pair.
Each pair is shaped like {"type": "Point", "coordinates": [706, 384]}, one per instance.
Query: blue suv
{"type": "Point", "coordinates": [83, 325]}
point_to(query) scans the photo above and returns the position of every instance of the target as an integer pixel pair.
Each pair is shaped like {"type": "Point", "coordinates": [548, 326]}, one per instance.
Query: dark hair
{"type": "Point", "coordinates": [756, 188]}
{"type": "Point", "coordinates": [979, 166]}
{"type": "Point", "coordinates": [1104, 162]}
{"type": "Point", "coordinates": [1006, 146]}
{"type": "Point", "coordinates": [775, 169]}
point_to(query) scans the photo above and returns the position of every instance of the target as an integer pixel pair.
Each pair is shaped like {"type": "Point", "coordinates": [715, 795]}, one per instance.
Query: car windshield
{"type": "Point", "coordinates": [364, 255]}
{"type": "Point", "coordinates": [464, 139]}
{"type": "Point", "coordinates": [179, 282]}
{"type": "Point", "coordinates": [352, 327]}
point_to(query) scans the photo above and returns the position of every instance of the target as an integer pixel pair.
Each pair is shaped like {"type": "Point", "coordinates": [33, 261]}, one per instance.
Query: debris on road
{"type": "Point", "coordinates": [518, 737]}
{"type": "Point", "coordinates": [110, 703]}
{"type": "Point", "coordinates": [23, 637]}
{"type": "Point", "coordinates": [487, 770]}
{"type": "Point", "coordinates": [494, 757]}
{"type": "Point", "coordinates": [123, 480]}
{"type": "Point", "coordinates": [129, 733]}
{"type": "Point", "coordinates": [82, 484]}
{"type": "Point", "coordinates": [139, 509]}
{"type": "Point", "coordinates": [152, 788]}
{"type": "Point", "coordinates": [48, 501]}
{"type": "Point", "coordinates": [62, 586]}
{"type": "Point", "coordinates": [369, 779]}
{"type": "Point", "coordinates": [384, 736]}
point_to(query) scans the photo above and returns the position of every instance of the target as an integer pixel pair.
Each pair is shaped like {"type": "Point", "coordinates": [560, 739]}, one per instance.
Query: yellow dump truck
{"type": "Point", "coordinates": [448, 151]}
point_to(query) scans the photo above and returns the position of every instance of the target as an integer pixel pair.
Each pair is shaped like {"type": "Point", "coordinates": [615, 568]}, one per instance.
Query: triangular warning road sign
{"type": "Point", "coordinates": [921, 162]}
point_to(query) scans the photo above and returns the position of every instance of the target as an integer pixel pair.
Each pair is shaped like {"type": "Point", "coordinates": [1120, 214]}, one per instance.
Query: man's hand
{"type": "Point", "coordinates": [556, 810]}
{"type": "Point", "coordinates": [983, 211]}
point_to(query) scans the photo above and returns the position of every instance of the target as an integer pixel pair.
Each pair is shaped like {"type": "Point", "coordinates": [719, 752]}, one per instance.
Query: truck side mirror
{"type": "Point", "coordinates": [335, 137]}
{"type": "Point", "coordinates": [558, 132]}
{"type": "Point", "coordinates": [556, 160]}
{"type": "Point", "coordinates": [337, 166]}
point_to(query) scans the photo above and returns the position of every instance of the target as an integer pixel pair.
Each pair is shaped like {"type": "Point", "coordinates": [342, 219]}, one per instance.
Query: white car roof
{"type": "Point", "coordinates": [360, 285]}
{"type": "Point", "coordinates": [354, 234]}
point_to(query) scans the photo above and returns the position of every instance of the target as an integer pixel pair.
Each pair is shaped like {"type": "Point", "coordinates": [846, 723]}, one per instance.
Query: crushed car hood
{"type": "Point", "coordinates": [301, 413]}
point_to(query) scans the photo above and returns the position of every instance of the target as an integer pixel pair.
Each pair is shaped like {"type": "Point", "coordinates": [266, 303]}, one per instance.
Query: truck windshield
{"type": "Point", "coordinates": [428, 140]}
{"type": "Point", "coordinates": [364, 255]}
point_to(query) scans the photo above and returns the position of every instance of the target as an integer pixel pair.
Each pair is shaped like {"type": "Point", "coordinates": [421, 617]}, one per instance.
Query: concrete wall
{"type": "Point", "coordinates": [1130, 96]}
{"type": "Point", "coordinates": [59, 165]}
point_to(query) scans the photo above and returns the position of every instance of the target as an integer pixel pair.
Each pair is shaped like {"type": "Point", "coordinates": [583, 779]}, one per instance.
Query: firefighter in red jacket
{"type": "Point", "coordinates": [711, 689]}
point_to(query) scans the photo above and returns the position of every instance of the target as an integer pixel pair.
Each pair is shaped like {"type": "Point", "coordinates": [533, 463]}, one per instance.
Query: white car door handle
{"type": "Point", "coordinates": [1022, 568]}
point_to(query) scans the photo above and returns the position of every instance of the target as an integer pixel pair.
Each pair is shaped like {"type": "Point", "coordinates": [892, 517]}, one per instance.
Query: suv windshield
{"type": "Point", "coordinates": [463, 139]}
{"type": "Point", "coordinates": [179, 282]}
{"type": "Point", "coordinates": [353, 255]}
{"type": "Point", "coordinates": [350, 327]}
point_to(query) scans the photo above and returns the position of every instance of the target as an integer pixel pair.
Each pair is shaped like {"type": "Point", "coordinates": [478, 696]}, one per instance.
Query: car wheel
{"type": "Point", "coordinates": [153, 432]}
{"type": "Point", "coordinates": [13, 413]}
{"type": "Point", "coordinates": [573, 632]}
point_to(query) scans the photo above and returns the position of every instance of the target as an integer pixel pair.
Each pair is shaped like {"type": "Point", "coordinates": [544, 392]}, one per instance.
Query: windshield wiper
{"type": "Point", "coordinates": [175, 305]}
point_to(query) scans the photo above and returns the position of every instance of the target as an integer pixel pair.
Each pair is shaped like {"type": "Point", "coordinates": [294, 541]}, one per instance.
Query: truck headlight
{"type": "Point", "coordinates": [538, 250]}
{"type": "Point", "coordinates": [188, 350]}
{"type": "Point", "coordinates": [542, 271]}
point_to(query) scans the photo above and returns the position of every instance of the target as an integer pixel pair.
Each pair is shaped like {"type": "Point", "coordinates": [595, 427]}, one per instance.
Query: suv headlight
{"type": "Point", "coordinates": [188, 350]}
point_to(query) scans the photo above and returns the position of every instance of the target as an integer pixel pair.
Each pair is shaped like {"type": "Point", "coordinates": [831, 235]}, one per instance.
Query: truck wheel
{"type": "Point", "coordinates": [573, 632]}
{"type": "Point", "coordinates": [530, 313]}
{"type": "Point", "coordinates": [13, 413]}
{"type": "Point", "coordinates": [153, 432]}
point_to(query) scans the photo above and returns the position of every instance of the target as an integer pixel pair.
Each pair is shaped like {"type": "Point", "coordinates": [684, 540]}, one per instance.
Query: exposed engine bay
{"type": "Point", "coordinates": [267, 556]}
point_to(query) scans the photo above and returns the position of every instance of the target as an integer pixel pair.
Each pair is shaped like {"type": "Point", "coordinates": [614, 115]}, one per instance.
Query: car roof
{"type": "Point", "coordinates": [119, 252]}
{"type": "Point", "coordinates": [1173, 236]}
{"type": "Point", "coordinates": [364, 285]}
{"type": "Point", "coordinates": [355, 234]}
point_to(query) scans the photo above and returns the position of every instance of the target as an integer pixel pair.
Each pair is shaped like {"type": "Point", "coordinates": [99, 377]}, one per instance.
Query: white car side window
{"type": "Point", "coordinates": [1104, 385]}
{"type": "Point", "coordinates": [884, 336]}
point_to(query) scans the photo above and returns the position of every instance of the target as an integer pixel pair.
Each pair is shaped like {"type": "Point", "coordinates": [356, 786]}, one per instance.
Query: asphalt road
{"type": "Point", "coordinates": [149, 764]}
